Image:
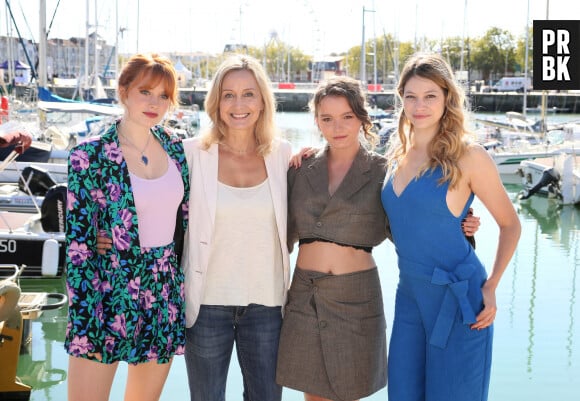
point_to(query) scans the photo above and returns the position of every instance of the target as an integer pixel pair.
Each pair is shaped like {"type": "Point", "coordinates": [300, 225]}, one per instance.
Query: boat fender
{"type": "Point", "coordinates": [49, 258]}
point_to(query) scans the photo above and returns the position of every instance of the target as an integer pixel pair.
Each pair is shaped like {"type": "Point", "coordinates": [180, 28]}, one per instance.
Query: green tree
{"type": "Point", "coordinates": [494, 53]}
{"type": "Point", "coordinates": [281, 61]}
{"type": "Point", "coordinates": [520, 56]}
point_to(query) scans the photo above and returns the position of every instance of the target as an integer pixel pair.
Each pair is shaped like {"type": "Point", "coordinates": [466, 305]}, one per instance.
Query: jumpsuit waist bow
{"type": "Point", "coordinates": [456, 294]}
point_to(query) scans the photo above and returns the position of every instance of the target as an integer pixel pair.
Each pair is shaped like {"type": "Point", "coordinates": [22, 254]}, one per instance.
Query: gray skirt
{"type": "Point", "coordinates": [333, 340]}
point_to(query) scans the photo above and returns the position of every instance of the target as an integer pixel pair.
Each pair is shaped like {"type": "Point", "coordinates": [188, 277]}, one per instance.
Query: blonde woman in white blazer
{"type": "Point", "coordinates": [235, 257]}
{"type": "Point", "coordinates": [202, 210]}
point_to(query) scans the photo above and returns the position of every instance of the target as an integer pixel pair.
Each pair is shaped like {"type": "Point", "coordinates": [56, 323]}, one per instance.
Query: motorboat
{"type": "Point", "coordinates": [28, 193]}
{"type": "Point", "coordinates": [557, 177]}
{"type": "Point", "coordinates": [513, 121]}
{"type": "Point", "coordinates": [36, 239]}
{"type": "Point", "coordinates": [29, 239]}
{"type": "Point", "coordinates": [509, 150]}
{"type": "Point", "coordinates": [12, 172]}
{"type": "Point", "coordinates": [13, 199]}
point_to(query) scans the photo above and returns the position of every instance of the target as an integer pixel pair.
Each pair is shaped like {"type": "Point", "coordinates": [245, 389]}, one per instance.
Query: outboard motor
{"type": "Point", "coordinates": [53, 209]}
{"type": "Point", "coordinates": [549, 177]}
{"type": "Point", "coordinates": [39, 180]}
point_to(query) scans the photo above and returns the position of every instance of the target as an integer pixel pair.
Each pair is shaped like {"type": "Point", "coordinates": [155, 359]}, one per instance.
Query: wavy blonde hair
{"type": "Point", "coordinates": [265, 130]}
{"type": "Point", "coordinates": [352, 91]}
{"type": "Point", "coordinates": [451, 141]}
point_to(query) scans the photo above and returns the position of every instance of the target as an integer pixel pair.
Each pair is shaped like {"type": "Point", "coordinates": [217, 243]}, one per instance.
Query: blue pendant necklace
{"type": "Point", "coordinates": [144, 158]}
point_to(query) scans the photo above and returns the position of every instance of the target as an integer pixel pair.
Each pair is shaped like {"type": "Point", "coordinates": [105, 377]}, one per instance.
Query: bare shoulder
{"type": "Point", "coordinates": [476, 156]}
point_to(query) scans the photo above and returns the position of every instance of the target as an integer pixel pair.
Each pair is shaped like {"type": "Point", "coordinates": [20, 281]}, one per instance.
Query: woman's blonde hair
{"type": "Point", "coordinates": [265, 130]}
{"type": "Point", "coordinates": [352, 91]}
{"type": "Point", "coordinates": [450, 142]}
{"type": "Point", "coordinates": [148, 70]}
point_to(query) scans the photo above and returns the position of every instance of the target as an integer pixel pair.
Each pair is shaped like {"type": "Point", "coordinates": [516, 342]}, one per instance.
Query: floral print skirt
{"type": "Point", "coordinates": [122, 312]}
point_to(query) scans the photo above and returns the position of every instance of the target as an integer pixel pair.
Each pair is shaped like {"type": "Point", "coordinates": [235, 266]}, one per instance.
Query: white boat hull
{"type": "Point", "coordinates": [36, 240]}
{"type": "Point", "coordinates": [509, 163]}
{"type": "Point", "coordinates": [11, 173]}
{"type": "Point", "coordinates": [565, 187]}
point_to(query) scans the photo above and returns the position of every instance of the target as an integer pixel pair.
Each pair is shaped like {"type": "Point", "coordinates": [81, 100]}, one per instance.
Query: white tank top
{"type": "Point", "coordinates": [157, 201]}
{"type": "Point", "coordinates": [245, 264]}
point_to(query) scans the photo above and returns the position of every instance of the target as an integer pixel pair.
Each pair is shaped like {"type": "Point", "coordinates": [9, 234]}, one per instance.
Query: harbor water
{"type": "Point", "coordinates": [537, 329]}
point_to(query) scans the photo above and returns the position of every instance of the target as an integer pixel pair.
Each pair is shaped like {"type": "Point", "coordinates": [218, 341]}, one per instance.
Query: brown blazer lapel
{"type": "Point", "coordinates": [356, 177]}
{"type": "Point", "coordinates": [316, 172]}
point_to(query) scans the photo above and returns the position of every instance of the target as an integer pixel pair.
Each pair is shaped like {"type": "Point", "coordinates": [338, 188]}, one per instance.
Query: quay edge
{"type": "Point", "coordinates": [297, 99]}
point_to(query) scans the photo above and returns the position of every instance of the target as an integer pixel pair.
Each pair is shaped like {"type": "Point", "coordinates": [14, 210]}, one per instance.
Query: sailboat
{"type": "Point", "coordinates": [49, 102]}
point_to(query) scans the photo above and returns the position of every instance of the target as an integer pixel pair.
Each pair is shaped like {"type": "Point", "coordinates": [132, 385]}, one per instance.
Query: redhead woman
{"type": "Point", "coordinates": [127, 304]}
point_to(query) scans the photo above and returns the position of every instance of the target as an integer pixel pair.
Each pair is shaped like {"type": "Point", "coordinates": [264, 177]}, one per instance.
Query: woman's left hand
{"type": "Point", "coordinates": [486, 317]}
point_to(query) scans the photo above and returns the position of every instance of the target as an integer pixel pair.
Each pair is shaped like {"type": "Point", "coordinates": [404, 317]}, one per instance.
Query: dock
{"type": "Point", "coordinates": [297, 99]}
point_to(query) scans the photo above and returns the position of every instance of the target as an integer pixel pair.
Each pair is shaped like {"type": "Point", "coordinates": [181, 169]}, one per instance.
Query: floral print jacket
{"type": "Point", "coordinates": [100, 200]}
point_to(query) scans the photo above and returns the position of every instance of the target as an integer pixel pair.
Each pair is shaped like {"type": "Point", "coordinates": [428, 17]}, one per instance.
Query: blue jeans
{"type": "Point", "coordinates": [255, 329]}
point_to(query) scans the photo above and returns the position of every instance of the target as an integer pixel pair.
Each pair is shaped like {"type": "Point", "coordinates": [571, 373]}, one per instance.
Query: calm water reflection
{"type": "Point", "coordinates": [536, 350]}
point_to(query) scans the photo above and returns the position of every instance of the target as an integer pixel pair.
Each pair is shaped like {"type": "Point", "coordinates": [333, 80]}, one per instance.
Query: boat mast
{"type": "Point", "coordinates": [9, 48]}
{"type": "Point", "coordinates": [544, 94]}
{"type": "Point", "coordinates": [96, 68]}
{"type": "Point", "coordinates": [116, 39]}
{"type": "Point", "coordinates": [42, 45]}
{"type": "Point", "coordinates": [463, 37]}
{"type": "Point", "coordinates": [525, 104]}
{"type": "Point", "coordinates": [41, 77]}
{"type": "Point", "coordinates": [363, 66]}
{"type": "Point", "coordinates": [86, 78]}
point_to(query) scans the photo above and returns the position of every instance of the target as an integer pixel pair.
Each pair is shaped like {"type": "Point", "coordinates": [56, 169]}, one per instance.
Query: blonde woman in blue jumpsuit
{"type": "Point", "coordinates": [441, 343]}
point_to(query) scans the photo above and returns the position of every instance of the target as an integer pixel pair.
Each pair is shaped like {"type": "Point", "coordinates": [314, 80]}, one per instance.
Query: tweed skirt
{"type": "Point", "coordinates": [333, 339]}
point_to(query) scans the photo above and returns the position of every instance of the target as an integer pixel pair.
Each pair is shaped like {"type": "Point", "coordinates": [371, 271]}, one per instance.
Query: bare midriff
{"type": "Point", "coordinates": [330, 258]}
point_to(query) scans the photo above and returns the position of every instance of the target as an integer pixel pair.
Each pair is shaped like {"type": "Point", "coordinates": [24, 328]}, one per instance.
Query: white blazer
{"type": "Point", "coordinates": [203, 168]}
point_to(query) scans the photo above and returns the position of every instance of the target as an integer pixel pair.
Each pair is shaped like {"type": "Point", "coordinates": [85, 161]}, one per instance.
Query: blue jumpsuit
{"type": "Point", "coordinates": [433, 353]}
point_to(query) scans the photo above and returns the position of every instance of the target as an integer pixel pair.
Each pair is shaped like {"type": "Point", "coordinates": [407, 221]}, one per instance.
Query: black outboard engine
{"type": "Point", "coordinates": [53, 209]}
{"type": "Point", "coordinates": [39, 180]}
{"type": "Point", "coordinates": [550, 177]}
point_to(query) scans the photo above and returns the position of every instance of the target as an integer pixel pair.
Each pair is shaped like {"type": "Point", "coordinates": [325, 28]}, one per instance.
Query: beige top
{"type": "Point", "coordinates": [245, 263]}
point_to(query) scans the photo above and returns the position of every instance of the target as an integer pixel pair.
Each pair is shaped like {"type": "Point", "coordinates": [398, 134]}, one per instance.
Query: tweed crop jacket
{"type": "Point", "coordinates": [353, 215]}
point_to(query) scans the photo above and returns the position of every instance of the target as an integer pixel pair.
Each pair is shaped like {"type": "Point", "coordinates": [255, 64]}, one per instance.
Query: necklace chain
{"type": "Point", "coordinates": [144, 158]}
{"type": "Point", "coordinates": [239, 152]}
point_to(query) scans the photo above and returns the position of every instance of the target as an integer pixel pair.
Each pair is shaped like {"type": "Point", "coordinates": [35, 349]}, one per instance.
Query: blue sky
{"type": "Point", "coordinates": [318, 27]}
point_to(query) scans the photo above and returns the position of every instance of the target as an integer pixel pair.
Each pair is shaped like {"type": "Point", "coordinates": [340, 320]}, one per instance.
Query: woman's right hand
{"type": "Point", "coordinates": [104, 243]}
